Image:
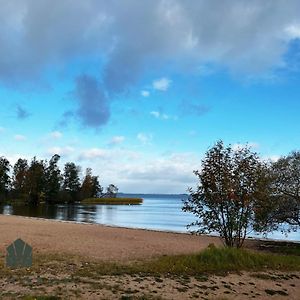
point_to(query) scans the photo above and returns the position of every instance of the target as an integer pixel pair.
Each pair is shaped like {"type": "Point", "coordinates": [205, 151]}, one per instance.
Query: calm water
{"type": "Point", "coordinates": [158, 212]}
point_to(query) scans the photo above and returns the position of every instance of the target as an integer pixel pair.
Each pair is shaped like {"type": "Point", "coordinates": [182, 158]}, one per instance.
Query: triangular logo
{"type": "Point", "coordinates": [19, 254]}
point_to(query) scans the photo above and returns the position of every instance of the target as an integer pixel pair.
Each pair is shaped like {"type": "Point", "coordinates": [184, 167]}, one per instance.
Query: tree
{"type": "Point", "coordinates": [53, 180]}
{"type": "Point", "coordinates": [90, 186]}
{"type": "Point", "coordinates": [20, 170]}
{"type": "Point", "coordinates": [283, 205]}
{"type": "Point", "coordinates": [35, 181]}
{"type": "Point", "coordinates": [43, 181]}
{"type": "Point", "coordinates": [97, 188]}
{"type": "Point", "coordinates": [230, 183]}
{"type": "Point", "coordinates": [71, 182]}
{"type": "Point", "coordinates": [111, 191]}
{"type": "Point", "coordinates": [4, 177]}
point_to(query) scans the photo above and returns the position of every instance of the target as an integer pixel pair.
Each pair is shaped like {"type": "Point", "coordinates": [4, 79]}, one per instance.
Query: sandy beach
{"type": "Point", "coordinates": [97, 241]}
{"type": "Point", "coordinates": [68, 272]}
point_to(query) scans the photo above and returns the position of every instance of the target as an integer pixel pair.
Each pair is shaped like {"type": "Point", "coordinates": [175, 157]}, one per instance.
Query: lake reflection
{"type": "Point", "coordinates": [159, 212]}
{"type": "Point", "coordinates": [163, 213]}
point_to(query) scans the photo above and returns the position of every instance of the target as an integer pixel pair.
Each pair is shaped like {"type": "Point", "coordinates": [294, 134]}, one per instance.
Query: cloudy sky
{"type": "Point", "coordinates": [139, 90]}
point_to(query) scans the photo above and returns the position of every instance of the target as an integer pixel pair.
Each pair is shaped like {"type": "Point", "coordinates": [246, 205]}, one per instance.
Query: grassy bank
{"type": "Point", "coordinates": [216, 260]}
{"type": "Point", "coordinates": [112, 201]}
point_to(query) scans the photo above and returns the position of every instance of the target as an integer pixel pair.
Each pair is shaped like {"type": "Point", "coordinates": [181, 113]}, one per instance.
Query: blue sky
{"type": "Point", "coordinates": [139, 90]}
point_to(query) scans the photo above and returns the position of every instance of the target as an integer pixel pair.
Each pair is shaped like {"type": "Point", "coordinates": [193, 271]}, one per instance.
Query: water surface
{"type": "Point", "coordinates": [159, 212]}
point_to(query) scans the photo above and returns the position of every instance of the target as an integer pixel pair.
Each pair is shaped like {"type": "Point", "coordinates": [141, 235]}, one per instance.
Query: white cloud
{"type": "Point", "coordinates": [65, 151]}
{"type": "Point", "coordinates": [111, 155]}
{"type": "Point", "coordinates": [2, 129]}
{"type": "Point", "coordinates": [134, 171]}
{"type": "Point", "coordinates": [252, 145]}
{"type": "Point", "coordinates": [144, 138]}
{"type": "Point", "coordinates": [13, 157]}
{"type": "Point", "coordinates": [159, 115]}
{"type": "Point", "coordinates": [145, 93]}
{"type": "Point", "coordinates": [162, 116]}
{"type": "Point", "coordinates": [56, 134]}
{"type": "Point", "coordinates": [272, 158]}
{"type": "Point", "coordinates": [93, 153]}
{"type": "Point", "coordinates": [118, 139]}
{"type": "Point", "coordinates": [168, 174]}
{"type": "Point", "coordinates": [250, 36]}
{"type": "Point", "coordinates": [155, 114]}
{"type": "Point", "coordinates": [20, 137]}
{"type": "Point", "coordinates": [293, 31]}
{"type": "Point", "coordinates": [161, 84]}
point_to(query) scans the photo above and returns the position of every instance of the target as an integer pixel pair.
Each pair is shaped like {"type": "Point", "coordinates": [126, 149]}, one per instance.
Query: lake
{"type": "Point", "coordinates": [158, 212]}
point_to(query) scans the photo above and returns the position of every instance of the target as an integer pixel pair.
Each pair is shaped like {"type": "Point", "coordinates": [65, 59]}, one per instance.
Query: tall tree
{"type": "Point", "coordinates": [53, 180]}
{"type": "Point", "coordinates": [224, 202]}
{"type": "Point", "coordinates": [71, 181]}
{"type": "Point", "coordinates": [90, 186]}
{"type": "Point", "coordinates": [97, 188]}
{"type": "Point", "coordinates": [4, 177]}
{"type": "Point", "coordinates": [20, 170]}
{"type": "Point", "coordinates": [283, 206]}
{"type": "Point", "coordinates": [35, 181]}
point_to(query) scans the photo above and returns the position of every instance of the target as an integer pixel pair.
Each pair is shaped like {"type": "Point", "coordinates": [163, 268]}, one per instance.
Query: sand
{"type": "Point", "coordinates": [97, 241]}
{"type": "Point", "coordinates": [86, 243]}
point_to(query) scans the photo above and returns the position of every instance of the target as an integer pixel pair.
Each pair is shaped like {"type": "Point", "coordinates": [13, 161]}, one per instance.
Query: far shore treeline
{"type": "Point", "coordinates": [42, 181]}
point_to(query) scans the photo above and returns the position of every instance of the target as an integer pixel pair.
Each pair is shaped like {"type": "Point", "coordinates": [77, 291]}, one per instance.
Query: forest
{"type": "Point", "coordinates": [42, 181]}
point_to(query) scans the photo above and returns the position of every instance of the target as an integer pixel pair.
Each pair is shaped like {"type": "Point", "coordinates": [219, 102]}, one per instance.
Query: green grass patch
{"type": "Point", "coordinates": [212, 260]}
{"type": "Point", "coordinates": [218, 260]}
{"type": "Point", "coordinates": [113, 201]}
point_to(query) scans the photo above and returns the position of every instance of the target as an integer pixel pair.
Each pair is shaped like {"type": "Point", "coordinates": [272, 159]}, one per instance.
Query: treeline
{"type": "Point", "coordinates": [43, 181]}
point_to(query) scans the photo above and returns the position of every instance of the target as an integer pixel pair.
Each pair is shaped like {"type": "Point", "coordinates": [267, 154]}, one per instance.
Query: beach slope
{"type": "Point", "coordinates": [96, 241]}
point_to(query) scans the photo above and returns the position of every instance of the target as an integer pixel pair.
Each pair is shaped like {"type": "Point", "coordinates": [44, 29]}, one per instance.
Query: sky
{"type": "Point", "coordinates": [140, 90]}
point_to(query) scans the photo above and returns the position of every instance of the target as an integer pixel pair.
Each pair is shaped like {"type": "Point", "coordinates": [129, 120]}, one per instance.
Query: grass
{"type": "Point", "coordinates": [216, 260]}
{"type": "Point", "coordinates": [212, 260]}
{"type": "Point", "coordinates": [50, 271]}
{"type": "Point", "coordinates": [113, 201]}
